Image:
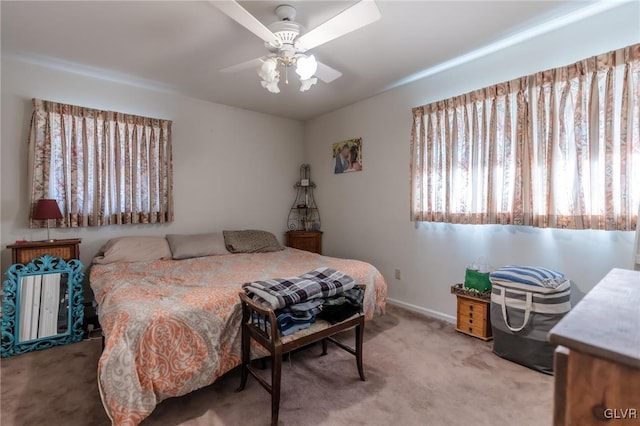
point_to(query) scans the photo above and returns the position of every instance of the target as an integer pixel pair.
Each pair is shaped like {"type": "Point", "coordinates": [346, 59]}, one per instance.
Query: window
{"type": "Point", "coordinates": [560, 148]}
{"type": "Point", "coordinates": [102, 167]}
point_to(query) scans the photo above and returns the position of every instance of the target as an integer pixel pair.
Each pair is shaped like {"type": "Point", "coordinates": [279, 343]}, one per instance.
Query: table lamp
{"type": "Point", "coordinates": [46, 210]}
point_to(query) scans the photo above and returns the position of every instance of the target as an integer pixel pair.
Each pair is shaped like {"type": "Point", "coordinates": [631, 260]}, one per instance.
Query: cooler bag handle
{"type": "Point", "coordinates": [527, 310]}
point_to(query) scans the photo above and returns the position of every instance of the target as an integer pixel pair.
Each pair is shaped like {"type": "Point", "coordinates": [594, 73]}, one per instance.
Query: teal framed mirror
{"type": "Point", "coordinates": [41, 305]}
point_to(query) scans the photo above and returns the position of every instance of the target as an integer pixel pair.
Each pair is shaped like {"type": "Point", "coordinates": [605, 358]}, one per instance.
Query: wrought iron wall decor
{"type": "Point", "coordinates": [304, 214]}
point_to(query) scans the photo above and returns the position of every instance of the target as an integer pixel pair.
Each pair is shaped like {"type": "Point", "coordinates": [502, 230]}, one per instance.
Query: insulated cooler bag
{"type": "Point", "coordinates": [522, 315]}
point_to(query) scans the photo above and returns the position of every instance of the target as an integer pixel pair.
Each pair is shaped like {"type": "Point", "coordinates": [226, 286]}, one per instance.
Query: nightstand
{"type": "Point", "coordinates": [25, 252]}
{"type": "Point", "coordinates": [473, 313]}
{"type": "Point", "coordinates": [305, 240]}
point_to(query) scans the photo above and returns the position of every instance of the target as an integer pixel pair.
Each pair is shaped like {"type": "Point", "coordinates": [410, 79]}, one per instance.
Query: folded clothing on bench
{"type": "Point", "coordinates": [278, 293]}
{"type": "Point", "coordinates": [338, 309]}
{"type": "Point", "coordinates": [305, 309]}
{"type": "Point", "coordinates": [296, 301]}
{"type": "Point", "coordinates": [289, 324]}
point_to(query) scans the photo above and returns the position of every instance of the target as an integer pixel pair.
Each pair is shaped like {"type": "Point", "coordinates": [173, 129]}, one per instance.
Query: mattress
{"type": "Point", "coordinates": [173, 326]}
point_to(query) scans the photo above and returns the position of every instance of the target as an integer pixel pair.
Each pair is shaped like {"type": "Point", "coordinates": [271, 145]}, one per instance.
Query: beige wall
{"type": "Point", "coordinates": [232, 168]}
{"type": "Point", "coordinates": [365, 215]}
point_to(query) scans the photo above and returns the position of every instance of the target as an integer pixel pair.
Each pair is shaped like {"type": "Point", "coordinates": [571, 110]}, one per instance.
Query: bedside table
{"type": "Point", "coordinates": [473, 313]}
{"type": "Point", "coordinates": [25, 252]}
{"type": "Point", "coordinates": [305, 240]}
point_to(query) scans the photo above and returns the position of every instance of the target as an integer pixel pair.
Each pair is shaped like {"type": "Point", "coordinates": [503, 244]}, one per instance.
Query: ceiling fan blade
{"type": "Point", "coordinates": [326, 73]}
{"type": "Point", "coordinates": [357, 16]}
{"type": "Point", "coordinates": [239, 14]}
{"type": "Point", "coordinates": [254, 63]}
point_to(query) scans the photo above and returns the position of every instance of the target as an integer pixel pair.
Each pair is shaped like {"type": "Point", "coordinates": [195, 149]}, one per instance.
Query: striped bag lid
{"type": "Point", "coordinates": [530, 275]}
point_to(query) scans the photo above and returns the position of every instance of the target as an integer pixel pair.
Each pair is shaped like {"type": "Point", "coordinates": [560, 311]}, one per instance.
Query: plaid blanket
{"type": "Point", "coordinates": [278, 293]}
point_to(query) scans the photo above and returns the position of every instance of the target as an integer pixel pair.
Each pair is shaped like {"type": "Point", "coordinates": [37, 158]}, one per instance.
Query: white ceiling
{"type": "Point", "coordinates": [182, 45]}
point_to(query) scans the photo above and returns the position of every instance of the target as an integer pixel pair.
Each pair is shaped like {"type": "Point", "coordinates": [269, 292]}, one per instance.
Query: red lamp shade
{"type": "Point", "coordinates": [47, 209]}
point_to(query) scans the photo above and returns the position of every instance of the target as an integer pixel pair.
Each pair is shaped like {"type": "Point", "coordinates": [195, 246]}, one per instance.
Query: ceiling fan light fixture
{"type": "Point", "coordinates": [269, 69]}
{"type": "Point", "coordinates": [306, 84]}
{"type": "Point", "coordinates": [271, 86]}
{"type": "Point", "coordinates": [287, 41]}
{"type": "Point", "coordinates": [270, 75]}
{"type": "Point", "coordinates": [306, 67]}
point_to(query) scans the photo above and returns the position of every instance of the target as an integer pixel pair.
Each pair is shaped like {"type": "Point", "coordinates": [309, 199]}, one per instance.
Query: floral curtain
{"type": "Point", "coordinates": [559, 148]}
{"type": "Point", "coordinates": [102, 167]}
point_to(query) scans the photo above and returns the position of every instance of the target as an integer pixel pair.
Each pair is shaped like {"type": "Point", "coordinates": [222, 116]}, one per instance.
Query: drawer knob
{"type": "Point", "coordinates": [470, 321]}
{"type": "Point", "coordinates": [470, 330]}
{"type": "Point", "coordinates": [471, 307]}
{"type": "Point", "coordinates": [470, 314]}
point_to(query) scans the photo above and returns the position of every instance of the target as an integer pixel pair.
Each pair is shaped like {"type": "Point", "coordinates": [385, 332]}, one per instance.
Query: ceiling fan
{"type": "Point", "coordinates": [288, 43]}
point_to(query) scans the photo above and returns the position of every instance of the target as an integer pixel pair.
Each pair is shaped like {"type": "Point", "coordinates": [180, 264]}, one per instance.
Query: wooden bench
{"type": "Point", "coordinates": [259, 323]}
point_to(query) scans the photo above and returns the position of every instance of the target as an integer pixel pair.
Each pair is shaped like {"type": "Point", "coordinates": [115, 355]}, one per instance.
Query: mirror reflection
{"type": "Point", "coordinates": [43, 306]}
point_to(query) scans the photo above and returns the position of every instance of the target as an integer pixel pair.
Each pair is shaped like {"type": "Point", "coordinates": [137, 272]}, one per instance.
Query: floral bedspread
{"type": "Point", "coordinates": [173, 326]}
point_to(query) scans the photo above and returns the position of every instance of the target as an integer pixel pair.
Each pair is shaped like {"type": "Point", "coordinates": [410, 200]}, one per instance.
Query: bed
{"type": "Point", "coordinates": [173, 326]}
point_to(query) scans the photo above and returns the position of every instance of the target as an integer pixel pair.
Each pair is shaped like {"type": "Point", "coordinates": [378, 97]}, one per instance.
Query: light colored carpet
{"type": "Point", "coordinates": [419, 370]}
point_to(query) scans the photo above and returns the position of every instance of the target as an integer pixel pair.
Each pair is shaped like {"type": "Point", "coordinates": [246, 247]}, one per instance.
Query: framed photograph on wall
{"type": "Point", "coordinates": [347, 156]}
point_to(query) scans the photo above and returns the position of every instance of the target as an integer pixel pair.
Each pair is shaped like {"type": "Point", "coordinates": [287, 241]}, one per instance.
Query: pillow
{"type": "Point", "coordinates": [251, 241]}
{"type": "Point", "coordinates": [531, 275]}
{"type": "Point", "coordinates": [133, 249]}
{"type": "Point", "coordinates": [196, 245]}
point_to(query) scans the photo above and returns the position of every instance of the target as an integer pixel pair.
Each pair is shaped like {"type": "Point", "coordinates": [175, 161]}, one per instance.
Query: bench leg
{"type": "Point", "coordinates": [276, 376]}
{"type": "Point", "coordinates": [246, 358]}
{"type": "Point", "coordinates": [359, 345]}
{"type": "Point", "coordinates": [324, 346]}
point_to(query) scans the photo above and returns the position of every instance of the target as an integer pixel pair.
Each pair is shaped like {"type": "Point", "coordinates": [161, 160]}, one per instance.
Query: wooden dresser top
{"type": "Point", "coordinates": [45, 243]}
{"type": "Point", "coordinates": [606, 322]}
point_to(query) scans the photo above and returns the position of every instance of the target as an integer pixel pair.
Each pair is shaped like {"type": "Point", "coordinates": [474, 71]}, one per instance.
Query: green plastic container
{"type": "Point", "coordinates": [477, 280]}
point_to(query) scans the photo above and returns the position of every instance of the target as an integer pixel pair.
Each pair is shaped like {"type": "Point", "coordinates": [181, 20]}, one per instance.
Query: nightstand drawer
{"type": "Point", "coordinates": [305, 240]}
{"type": "Point", "coordinates": [474, 315]}
{"type": "Point", "coordinates": [471, 308]}
{"type": "Point", "coordinates": [477, 329]}
{"type": "Point", "coordinates": [472, 321]}
{"type": "Point", "coordinates": [308, 244]}
{"type": "Point", "coordinates": [24, 256]}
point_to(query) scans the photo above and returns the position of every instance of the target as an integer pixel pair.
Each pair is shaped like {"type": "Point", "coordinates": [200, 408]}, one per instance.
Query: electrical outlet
{"type": "Point", "coordinates": [398, 276]}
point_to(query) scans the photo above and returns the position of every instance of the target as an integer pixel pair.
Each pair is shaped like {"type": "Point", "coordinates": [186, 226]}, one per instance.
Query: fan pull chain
{"type": "Point", "coordinates": [286, 75]}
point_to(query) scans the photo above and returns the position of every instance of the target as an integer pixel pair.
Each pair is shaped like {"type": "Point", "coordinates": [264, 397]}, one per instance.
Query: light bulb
{"type": "Point", "coordinates": [306, 67]}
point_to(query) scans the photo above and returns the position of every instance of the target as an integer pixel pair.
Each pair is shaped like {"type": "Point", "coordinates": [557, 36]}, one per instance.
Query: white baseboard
{"type": "Point", "coordinates": [424, 311]}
